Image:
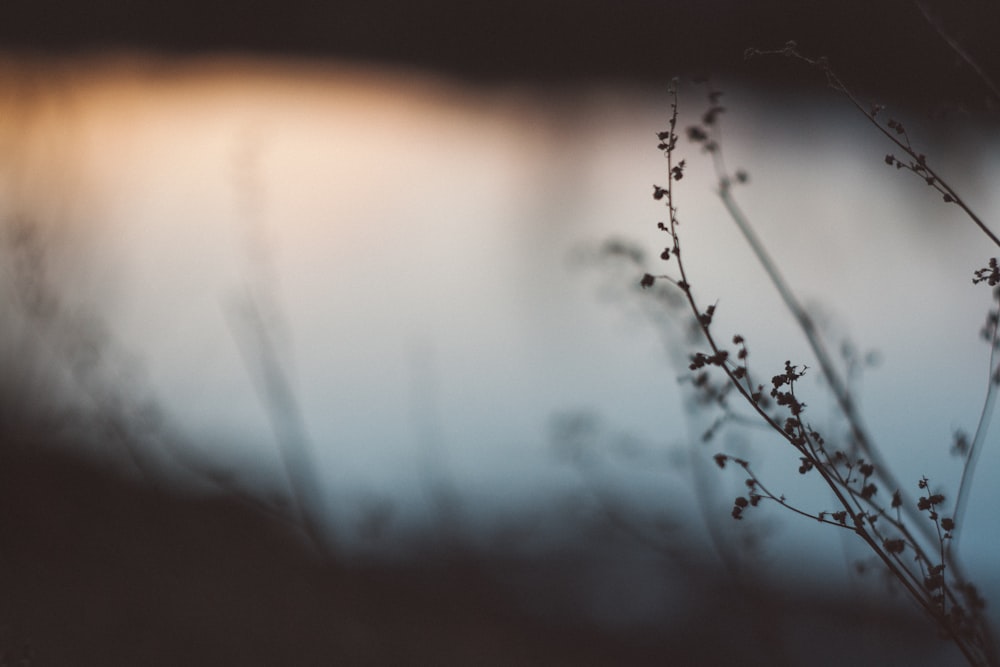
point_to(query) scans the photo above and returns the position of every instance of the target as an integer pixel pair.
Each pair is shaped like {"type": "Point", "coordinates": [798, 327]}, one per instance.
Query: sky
{"type": "Point", "coordinates": [424, 255]}
{"type": "Point", "coordinates": [420, 233]}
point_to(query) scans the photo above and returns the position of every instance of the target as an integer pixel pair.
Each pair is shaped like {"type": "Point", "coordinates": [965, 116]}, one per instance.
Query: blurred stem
{"type": "Point", "coordinates": [286, 419]}
{"type": "Point", "coordinates": [827, 367]}
{"type": "Point", "coordinates": [958, 49]}
{"type": "Point", "coordinates": [989, 402]}
{"type": "Point", "coordinates": [846, 404]}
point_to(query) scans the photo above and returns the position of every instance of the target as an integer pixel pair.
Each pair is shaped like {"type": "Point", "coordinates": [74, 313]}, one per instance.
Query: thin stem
{"type": "Point", "coordinates": [982, 426]}
{"type": "Point", "coordinates": [826, 365]}
{"type": "Point", "coordinates": [285, 417]}
{"type": "Point", "coordinates": [933, 178]}
{"type": "Point", "coordinates": [781, 501]}
{"type": "Point", "coordinates": [958, 49]}
{"type": "Point", "coordinates": [800, 437]}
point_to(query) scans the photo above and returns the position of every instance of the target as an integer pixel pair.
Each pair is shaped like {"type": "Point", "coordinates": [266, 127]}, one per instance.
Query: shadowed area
{"type": "Point", "coordinates": [98, 570]}
{"type": "Point", "coordinates": [886, 45]}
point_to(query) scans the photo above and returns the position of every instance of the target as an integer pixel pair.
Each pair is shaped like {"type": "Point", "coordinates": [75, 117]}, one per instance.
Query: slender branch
{"type": "Point", "coordinates": [837, 385]}
{"type": "Point", "coordinates": [769, 495]}
{"type": "Point", "coordinates": [958, 49]}
{"type": "Point", "coordinates": [285, 417]}
{"type": "Point", "coordinates": [892, 132]}
{"type": "Point", "coordinates": [982, 426]}
{"type": "Point", "coordinates": [973, 643]}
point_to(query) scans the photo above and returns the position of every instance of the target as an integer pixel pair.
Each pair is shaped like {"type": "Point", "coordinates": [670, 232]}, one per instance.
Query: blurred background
{"type": "Point", "coordinates": [331, 291]}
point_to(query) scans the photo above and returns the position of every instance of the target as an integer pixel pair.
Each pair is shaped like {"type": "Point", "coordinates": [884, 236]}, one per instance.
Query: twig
{"type": "Point", "coordinates": [892, 131]}
{"type": "Point", "coordinates": [982, 426]}
{"type": "Point", "coordinates": [285, 417]}
{"type": "Point", "coordinates": [931, 592]}
{"type": "Point", "coordinates": [958, 48]}
{"type": "Point", "coordinates": [827, 367]}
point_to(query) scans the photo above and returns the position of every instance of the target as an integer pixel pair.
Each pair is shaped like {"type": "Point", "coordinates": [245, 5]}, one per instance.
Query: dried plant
{"type": "Point", "coordinates": [915, 539]}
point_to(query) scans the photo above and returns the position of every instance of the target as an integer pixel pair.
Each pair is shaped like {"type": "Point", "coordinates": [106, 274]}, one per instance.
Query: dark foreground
{"type": "Point", "coordinates": [99, 570]}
